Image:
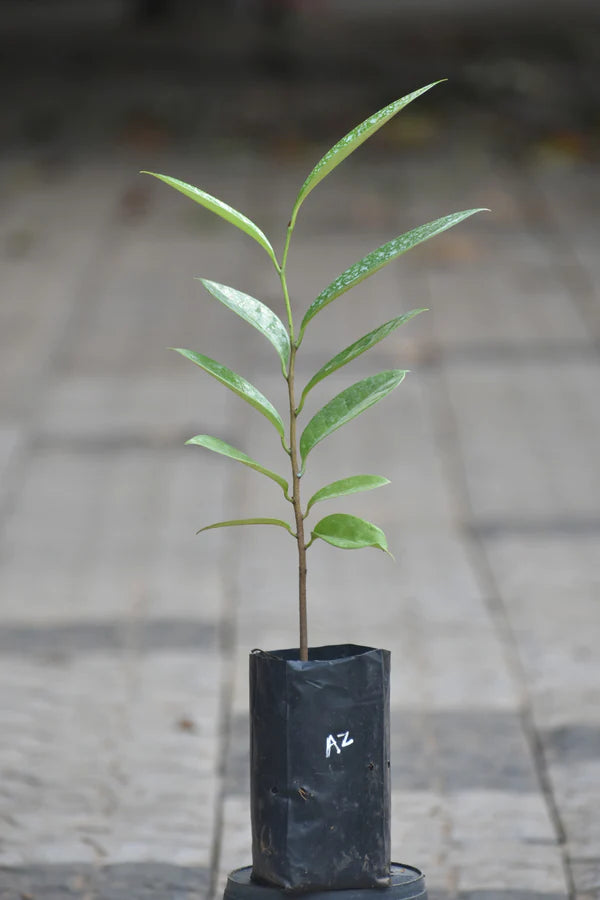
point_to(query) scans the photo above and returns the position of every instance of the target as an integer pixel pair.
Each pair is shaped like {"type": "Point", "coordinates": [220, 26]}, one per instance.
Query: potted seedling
{"type": "Point", "coordinates": [320, 780]}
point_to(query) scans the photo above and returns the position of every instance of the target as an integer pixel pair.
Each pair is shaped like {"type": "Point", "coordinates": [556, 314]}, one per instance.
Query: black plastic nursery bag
{"type": "Point", "coordinates": [319, 763]}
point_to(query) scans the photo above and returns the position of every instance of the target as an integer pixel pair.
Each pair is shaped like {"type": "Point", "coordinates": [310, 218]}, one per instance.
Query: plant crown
{"type": "Point", "coordinates": [339, 529]}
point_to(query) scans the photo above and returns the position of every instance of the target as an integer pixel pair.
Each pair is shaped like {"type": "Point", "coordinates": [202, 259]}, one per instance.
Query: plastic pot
{"type": "Point", "coordinates": [319, 764]}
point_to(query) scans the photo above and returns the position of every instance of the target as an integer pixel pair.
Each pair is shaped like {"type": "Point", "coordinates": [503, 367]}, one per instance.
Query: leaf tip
{"type": "Point", "coordinates": [428, 87]}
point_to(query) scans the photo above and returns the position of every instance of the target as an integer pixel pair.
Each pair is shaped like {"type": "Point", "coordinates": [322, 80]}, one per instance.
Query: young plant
{"type": "Point", "coordinates": [339, 529]}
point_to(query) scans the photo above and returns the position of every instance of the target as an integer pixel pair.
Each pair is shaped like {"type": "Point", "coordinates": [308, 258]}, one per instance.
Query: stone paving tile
{"type": "Point", "coordinates": [109, 758]}
{"type": "Point", "coordinates": [519, 308]}
{"type": "Point", "coordinates": [521, 463]}
{"type": "Point", "coordinates": [79, 512]}
{"type": "Point", "coordinates": [486, 894]}
{"type": "Point", "coordinates": [128, 881]}
{"type": "Point", "coordinates": [236, 839]}
{"type": "Point", "coordinates": [36, 308]}
{"type": "Point", "coordinates": [586, 875]}
{"type": "Point", "coordinates": [455, 752]}
{"type": "Point", "coordinates": [571, 201]}
{"type": "Point", "coordinates": [151, 292]}
{"type": "Point", "coordinates": [69, 639]}
{"type": "Point", "coordinates": [549, 585]}
{"type": "Point", "coordinates": [11, 443]}
{"type": "Point", "coordinates": [112, 409]}
{"type": "Point", "coordinates": [547, 581]}
{"type": "Point", "coordinates": [504, 815]}
{"type": "Point", "coordinates": [514, 867]}
{"type": "Point", "coordinates": [550, 590]}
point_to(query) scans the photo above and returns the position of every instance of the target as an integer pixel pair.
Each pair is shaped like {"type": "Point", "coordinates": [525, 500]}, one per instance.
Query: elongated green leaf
{"type": "Point", "coordinates": [259, 521]}
{"type": "Point", "coordinates": [257, 314]}
{"type": "Point", "coordinates": [220, 209]}
{"type": "Point", "coordinates": [219, 446]}
{"type": "Point", "coordinates": [345, 406]}
{"type": "Point", "coordinates": [237, 384]}
{"type": "Point", "coordinates": [350, 532]}
{"type": "Point", "coordinates": [364, 343]}
{"type": "Point", "coordinates": [351, 141]}
{"type": "Point", "coordinates": [379, 258]}
{"type": "Point", "coordinates": [352, 485]}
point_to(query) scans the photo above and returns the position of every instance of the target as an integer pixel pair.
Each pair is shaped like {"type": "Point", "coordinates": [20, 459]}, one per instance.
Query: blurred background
{"type": "Point", "coordinates": [123, 651]}
{"type": "Point", "coordinates": [114, 74]}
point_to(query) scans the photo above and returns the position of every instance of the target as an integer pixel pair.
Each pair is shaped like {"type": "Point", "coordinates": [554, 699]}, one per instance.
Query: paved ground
{"type": "Point", "coordinates": [123, 652]}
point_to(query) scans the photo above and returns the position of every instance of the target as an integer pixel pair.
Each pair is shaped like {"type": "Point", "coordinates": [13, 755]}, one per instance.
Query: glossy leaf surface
{"type": "Point", "coordinates": [346, 406]}
{"type": "Point", "coordinates": [379, 258]}
{"type": "Point", "coordinates": [225, 449]}
{"type": "Point", "coordinates": [259, 521]}
{"type": "Point", "coordinates": [344, 147]}
{"type": "Point", "coordinates": [257, 314]}
{"type": "Point", "coordinates": [360, 346]}
{"type": "Point", "coordinates": [221, 209]}
{"type": "Point", "coordinates": [350, 532]}
{"type": "Point", "coordinates": [352, 485]}
{"type": "Point", "coordinates": [237, 384]}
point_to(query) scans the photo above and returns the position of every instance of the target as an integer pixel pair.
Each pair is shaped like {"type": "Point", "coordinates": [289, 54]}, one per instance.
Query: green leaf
{"type": "Point", "coordinates": [345, 406]}
{"type": "Point", "coordinates": [220, 209]}
{"type": "Point", "coordinates": [364, 343]}
{"type": "Point", "coordinates": [350, 533]}
{"type": "Point", "coordinates": [237, 384]}
{"type": "Point", "coordinates": [352, 485]}
{"type": "Point", "coordinates": [219, 446]}
{"type": "Point", "coordinates": [379, 258]}
{"type": "Point", "coordinates": [259, 521]}
{"type": "Point", "coordinates": [257, 314]}
{"type": "Point", "coordinates": [350, 142]}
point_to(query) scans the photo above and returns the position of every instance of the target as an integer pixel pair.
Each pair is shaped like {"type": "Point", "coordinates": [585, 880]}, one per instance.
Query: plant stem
{"type": "Point", "coordinates": [282, 278]}
{"type": "Point", "coordinates": [295, 499]}
{"type": "Point", "coordinates": [298, 511]}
